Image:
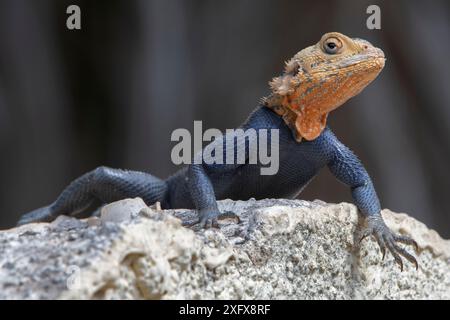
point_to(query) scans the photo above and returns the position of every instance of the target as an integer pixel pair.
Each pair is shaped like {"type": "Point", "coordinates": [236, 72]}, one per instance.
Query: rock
{"type": "Point", "coordinates": [65, 223]}
{"type": "Point", "coordinates": [122, 210]}
{"type": "Point", "coordinates": [282, 249]}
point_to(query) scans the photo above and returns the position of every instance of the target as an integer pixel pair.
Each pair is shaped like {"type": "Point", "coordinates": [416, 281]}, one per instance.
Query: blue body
{"type": "Point", "coordinates": [299, 163]}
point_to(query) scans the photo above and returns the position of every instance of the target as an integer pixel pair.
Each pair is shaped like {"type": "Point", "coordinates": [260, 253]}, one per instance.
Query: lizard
{"type": "Point", "coordinates": [315, 81]}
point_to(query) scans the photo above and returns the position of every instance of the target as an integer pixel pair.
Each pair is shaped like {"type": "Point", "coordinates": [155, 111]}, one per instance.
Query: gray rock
{"type": "Point", "coordinates": [122, 210]}
{"type": "Point", "coordinates": [282, 249]}
{"type": "Point", "coordinates": [65, 223]}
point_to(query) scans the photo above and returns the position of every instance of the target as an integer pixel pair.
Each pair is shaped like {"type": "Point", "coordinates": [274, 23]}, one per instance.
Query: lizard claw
{"type": "Point", "coordinates": [386, 239]}
{"type": "Point", "coordinates": [209, 218]}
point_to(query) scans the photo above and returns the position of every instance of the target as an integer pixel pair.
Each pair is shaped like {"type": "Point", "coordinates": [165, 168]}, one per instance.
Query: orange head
{"type": "Point", "coordinates": [321, 78]}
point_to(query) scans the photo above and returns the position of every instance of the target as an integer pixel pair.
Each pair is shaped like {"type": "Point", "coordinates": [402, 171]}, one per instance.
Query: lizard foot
{"type": "Point", "coordinates": [387, 239]}
{"type": "Point", "coordinates": [209, 218]}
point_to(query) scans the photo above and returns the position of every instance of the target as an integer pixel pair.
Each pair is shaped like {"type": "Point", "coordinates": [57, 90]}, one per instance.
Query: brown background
{"type": "Point", "coordinates": [112, 93]}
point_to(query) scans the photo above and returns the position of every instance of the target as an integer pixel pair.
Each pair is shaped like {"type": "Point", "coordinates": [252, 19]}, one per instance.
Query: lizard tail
{"type": "Point", "coordinates": [102, 184]}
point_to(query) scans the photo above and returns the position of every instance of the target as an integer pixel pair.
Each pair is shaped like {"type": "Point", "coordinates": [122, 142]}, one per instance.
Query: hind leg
{"type": "Point", "coordinates": [104, 184]}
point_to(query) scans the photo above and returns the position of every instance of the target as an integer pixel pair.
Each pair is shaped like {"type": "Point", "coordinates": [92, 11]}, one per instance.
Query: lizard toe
{"type": "Point", "coordinates": [386, 239]}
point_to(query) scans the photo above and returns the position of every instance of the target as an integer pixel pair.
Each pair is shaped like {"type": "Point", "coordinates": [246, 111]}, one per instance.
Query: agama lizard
{"type": "Point", "coordinates": [315, 81]}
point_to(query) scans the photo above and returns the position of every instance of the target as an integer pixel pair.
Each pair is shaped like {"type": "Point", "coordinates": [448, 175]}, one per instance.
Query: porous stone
{"type": "Point", "coordinates": [282, 249]}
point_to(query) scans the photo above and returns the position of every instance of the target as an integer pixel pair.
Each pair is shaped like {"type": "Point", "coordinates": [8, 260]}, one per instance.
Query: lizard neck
{"type": "Point", "coordinates": [289, 117]}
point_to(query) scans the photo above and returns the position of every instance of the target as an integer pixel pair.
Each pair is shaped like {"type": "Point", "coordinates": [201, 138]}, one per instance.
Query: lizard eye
{"type": "Point", "coordinates": [332, 45]}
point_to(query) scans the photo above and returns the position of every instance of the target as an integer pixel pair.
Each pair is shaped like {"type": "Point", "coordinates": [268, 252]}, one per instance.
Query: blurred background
{"type": "Point", "coordinates": [113, 92]}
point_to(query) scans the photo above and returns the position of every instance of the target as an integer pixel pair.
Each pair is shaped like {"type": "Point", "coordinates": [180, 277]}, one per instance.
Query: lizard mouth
{"type": "Point", "coordinates": [370, 58]}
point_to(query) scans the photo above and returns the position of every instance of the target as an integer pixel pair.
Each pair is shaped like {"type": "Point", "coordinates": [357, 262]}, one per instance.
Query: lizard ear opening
{"type": "Point", "coordinates": [310, 125]}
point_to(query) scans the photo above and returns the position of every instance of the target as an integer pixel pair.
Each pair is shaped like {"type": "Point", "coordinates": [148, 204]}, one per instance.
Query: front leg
{"type": "Point", "coordinates": [199, 184]}
{"type": "Point", "coordinates": [348, 169]}
{"type": "Point", "coordinates": [204, 199]}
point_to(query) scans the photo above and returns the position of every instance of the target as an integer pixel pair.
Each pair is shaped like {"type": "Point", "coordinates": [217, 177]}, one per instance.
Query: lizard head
{"type": "Point", "coordinates": [320, 78]}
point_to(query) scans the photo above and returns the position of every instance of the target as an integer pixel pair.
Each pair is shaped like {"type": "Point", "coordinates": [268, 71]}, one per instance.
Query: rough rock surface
{"type": "Point", "coordinates": [293, 249]}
